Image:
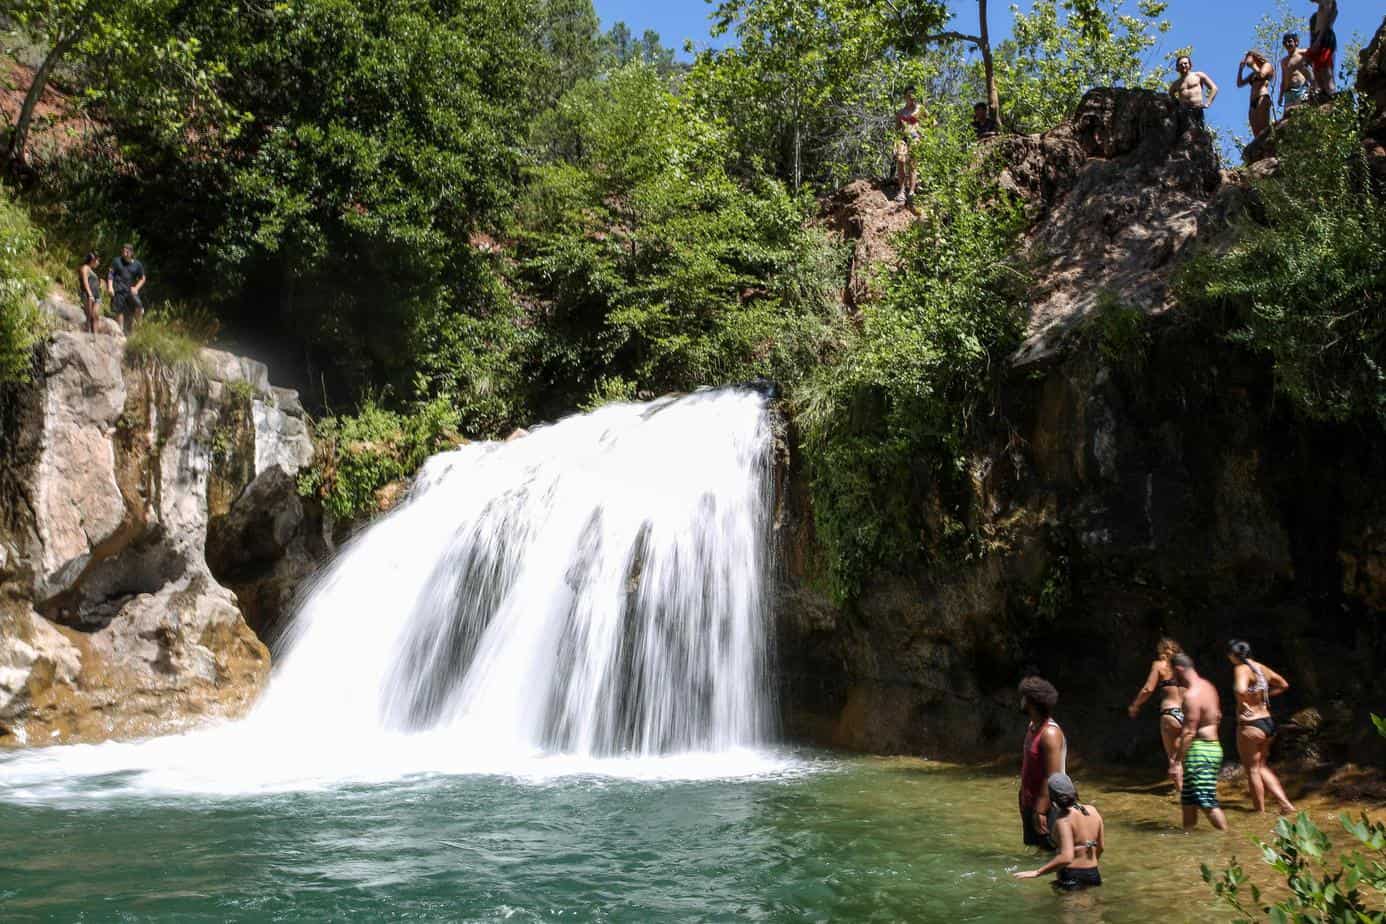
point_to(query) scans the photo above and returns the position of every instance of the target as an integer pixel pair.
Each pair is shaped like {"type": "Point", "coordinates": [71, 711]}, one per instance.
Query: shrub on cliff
{"type": "Point", "coordinates": [652, 263]}
{"type": "Point", "coordinates": [21, 323]}
{"type": "Point", "coordinates": [356, 456]}
{"type": "Point", "coordinates": [1305, 281]}
{"type": "Point", "coordinates": [891, 414]}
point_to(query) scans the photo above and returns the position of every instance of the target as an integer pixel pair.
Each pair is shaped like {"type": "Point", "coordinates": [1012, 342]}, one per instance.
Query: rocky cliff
{"type": "Point", "coordinates": [1137, 479]}
{"type": "Point", "coordinates": [137, 500]}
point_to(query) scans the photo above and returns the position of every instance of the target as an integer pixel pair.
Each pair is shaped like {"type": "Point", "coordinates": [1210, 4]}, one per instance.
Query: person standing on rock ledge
{"type": "Point", "coordinates": [1187, 91]}
{"type": "Point", "coordinates": [1323, 45]}
{"type": "Point", "coordinates": [90, 284]}
{"type": "Point", "coordinates": [906, 136]}
{"type": "Point", "coordinates": [1256, 71]}
{"type": "Point", "coordinates": [126, 278]}
{"type": "Point", "coordinates": [1198, 749]}
{"type": "Point", "coordinates": [1043, 754]}
{"type": "Point", "coordinates": [1295, 74]}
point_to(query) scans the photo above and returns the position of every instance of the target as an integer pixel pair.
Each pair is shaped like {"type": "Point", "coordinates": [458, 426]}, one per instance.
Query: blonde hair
{"type": "Point", "coordinates": [1167, 648]}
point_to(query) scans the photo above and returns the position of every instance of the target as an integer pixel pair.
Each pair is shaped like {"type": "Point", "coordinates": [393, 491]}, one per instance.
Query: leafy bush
{"type": "Point", "coordinates": [356, 456]}
{"type": "Point", "coordinates": [653, 265]}
{"type": "Point", "coordinates": [22, 325]}
{"type": "Point", "coordinates": [1321, 887]}
{"type": "Point", "coordinates": [895, 408]}
{"type": "Point", "coordinates": [1305, 281]}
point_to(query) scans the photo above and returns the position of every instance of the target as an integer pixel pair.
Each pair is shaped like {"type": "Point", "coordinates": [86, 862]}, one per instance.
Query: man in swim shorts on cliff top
{"type": "Point", "coordinates": [1044, 753]}
{"type": "Point", "coordinates": [1323, 45]}
{"type": "Point", "coordinates": [1295, 74]}
{"type": "Point", "coordinates": [1198, 747]}
{"type": "Point", "coordinates": [1187, 90]}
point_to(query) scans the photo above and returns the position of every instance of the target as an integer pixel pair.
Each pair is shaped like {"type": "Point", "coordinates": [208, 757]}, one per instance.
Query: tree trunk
{"type": "Point", "coordinates": [19, 139]}
{"type": "Point", "coordinates": [993, 98]}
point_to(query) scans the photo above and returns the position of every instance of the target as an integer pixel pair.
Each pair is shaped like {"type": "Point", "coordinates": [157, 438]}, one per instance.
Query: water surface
{"type": "Point", "coordinates": [818, 838]}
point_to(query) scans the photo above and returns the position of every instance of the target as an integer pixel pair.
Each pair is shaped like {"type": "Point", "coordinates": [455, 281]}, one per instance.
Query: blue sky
{"type": "Point", "coordinates": [1220, 32]}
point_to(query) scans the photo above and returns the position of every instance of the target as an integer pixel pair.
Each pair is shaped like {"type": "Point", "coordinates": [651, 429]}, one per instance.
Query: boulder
{"type": "Point", "coordinates": [117, 472]}
{"type": "Point", "coordinates": [862, 215]}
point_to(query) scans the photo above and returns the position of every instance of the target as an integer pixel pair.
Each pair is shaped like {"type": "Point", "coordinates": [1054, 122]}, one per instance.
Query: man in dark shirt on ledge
{"type": "Point", "coordinates": [127, 278]}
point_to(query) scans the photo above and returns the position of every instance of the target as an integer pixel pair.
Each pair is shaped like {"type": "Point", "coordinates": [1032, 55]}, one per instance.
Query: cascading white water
{"type": "Point", "coordinates": [594, 590]}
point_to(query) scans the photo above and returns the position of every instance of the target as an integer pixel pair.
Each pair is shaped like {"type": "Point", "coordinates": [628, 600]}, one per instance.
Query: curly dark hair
{"type": "Point", "coordinates": [1040, 693]}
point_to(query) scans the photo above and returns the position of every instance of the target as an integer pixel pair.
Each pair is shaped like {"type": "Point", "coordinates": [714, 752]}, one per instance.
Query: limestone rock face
{"type": "Point", "coordinates": [112, 622]}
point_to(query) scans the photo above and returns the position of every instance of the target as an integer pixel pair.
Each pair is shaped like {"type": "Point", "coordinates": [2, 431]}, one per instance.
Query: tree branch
{"type": "Point", "coordinates": [953, 37]}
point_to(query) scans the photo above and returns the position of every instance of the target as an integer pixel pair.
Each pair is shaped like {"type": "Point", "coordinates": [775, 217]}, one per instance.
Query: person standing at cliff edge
{"type": "Point", "coordinates": [1043, 754]}
{"type": "Point", "coordinates": [1198, 748]}
{"type": "Point", "coordinates": [126, 278]}
{"type": "Point", "coordinates": [906, 136]}
{"type": "Point", "coordinates": [1187, 91]}
{"type": "Point", "coordinates": [1323, 46]}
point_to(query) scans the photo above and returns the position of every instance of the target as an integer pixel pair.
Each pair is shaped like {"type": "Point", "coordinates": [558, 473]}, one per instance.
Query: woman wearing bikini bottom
{"type": "Point", "coordinates": [1161, 678]}
{"type": "Point", "coordinates": [1254, 684]}
{"type": "Point", "coordinates": [1078, 836]}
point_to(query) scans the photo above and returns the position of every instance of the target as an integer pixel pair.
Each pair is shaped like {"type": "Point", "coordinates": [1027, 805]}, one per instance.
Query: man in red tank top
{"type": "Point", "coordinates": [1045, 752]}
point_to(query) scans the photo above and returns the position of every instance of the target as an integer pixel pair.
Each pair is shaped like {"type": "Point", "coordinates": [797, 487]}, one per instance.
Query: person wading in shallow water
{"type": "Point", "coordinates": [1162, 678]}
{"type": "Point", "coordinates": [1043, 754]}
{"type": "Point", "coordinates": [1254, 684]}
{"type": "Point", "coordinates": [1078, 839]}
{"type": "Point", "coordinates": [1198, 747]}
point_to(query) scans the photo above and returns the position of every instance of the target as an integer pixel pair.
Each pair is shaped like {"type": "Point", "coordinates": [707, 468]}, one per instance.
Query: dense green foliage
{"type": "Point", "coordinates": [359, 454]}
{"type": "Point", "coordinates": [894, 410]}
{"type": "Point", "coordinates": [656, 268]}
{"type": "Point", "coordinates": [1060, 49]}
{"type": "Point", "coordinates": [1305, 282]}
{"type": "Point", "coordinates": [484, 212]}
{"type": "Point", "coordinates": [20, 324]}
{"type": "Point", "coordinates": [1348, 888]}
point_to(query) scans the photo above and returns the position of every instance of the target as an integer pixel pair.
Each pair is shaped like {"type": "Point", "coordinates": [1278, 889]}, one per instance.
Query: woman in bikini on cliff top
{"type": "Point", "coordinates": [1162, 678]}
{"type": "Point", "coordinates": [1254, 684]}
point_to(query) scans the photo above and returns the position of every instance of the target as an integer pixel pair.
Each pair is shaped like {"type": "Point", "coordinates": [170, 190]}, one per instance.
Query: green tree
{"type": "Point", "coordinates": [654, 267]}
{"type": "Point", "coordinates": [802, 70]}
{"type": "Point", "coordinates": [382, 137]}
{"type": "Point", "coordinates": [620, 47]}
{"type": "Point", "coordinates": [1060, 49]}
{"type": "Point", "coordinates": [130, 62]}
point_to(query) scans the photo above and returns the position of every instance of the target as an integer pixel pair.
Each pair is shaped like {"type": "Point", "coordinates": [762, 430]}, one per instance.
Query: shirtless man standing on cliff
{"type": "Point", "coordinates": [1198, 748]}
{"type": "Point", "coordinates": [1295, 74]}
{"type": "Point", "coordinates": [1187, 90]}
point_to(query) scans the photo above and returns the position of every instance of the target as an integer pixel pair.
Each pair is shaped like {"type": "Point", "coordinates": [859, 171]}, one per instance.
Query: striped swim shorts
{"type": "Point", "coordinates": [1201, 767]}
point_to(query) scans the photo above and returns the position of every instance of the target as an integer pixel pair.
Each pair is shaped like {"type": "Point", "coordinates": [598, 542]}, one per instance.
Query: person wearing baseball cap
{"type": "Point", "coordinates": [1078, 835]}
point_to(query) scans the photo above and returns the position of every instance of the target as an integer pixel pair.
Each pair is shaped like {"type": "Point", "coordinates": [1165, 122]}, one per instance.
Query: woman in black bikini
{"type": "Point", "coordinates": [1256, 72]}
{"type": "Point", "coordinates": [1078, 837]}
{"type": "Point", "coordinates": [1171, 696]}
{"type": "Point", "coordinates": [1254, 684]}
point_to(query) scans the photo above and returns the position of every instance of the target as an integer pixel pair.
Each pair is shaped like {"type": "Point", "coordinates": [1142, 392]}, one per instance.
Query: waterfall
{"type": "Point", "coordinates": [597, 587]}
{"type": "Point", "coordinates": [589, 598]}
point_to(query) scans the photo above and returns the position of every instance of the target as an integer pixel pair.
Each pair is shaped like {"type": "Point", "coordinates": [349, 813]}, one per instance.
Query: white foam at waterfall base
{"type": "Point", "coordinates": [591, 598]}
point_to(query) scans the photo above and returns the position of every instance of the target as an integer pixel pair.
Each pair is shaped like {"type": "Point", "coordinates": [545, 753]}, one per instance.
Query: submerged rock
{"type": "Point", "coordinates": [115, 470]}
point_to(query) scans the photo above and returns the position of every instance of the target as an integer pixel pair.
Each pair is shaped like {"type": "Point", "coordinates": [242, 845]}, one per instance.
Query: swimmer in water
{"type": "Point", "coordinates": [1162, 678]}
{"type": "Point", "coordinates": [1079, 837]}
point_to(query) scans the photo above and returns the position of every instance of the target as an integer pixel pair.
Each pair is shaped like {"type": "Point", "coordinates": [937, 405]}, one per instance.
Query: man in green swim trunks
{"type": "Point", "coordinates": [1198, 748]}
